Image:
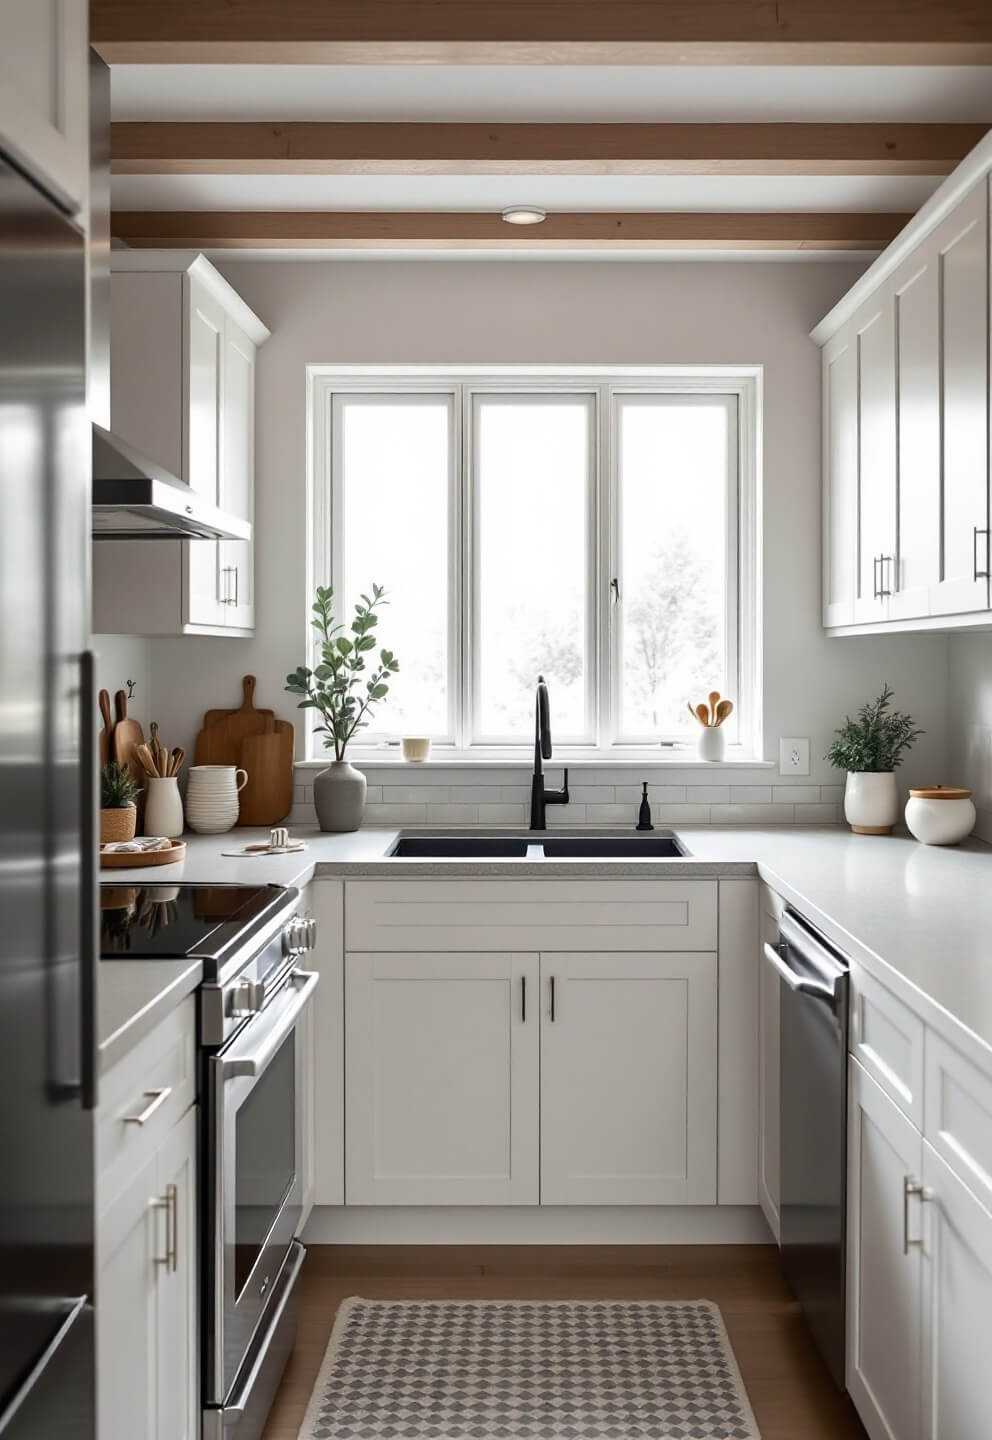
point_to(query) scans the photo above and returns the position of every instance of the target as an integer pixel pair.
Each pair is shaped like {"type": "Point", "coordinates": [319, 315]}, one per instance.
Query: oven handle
{"type": "Point", "coordinates": [238, 1404]}
{"type": "Point", "coordinates": [258, 1062]}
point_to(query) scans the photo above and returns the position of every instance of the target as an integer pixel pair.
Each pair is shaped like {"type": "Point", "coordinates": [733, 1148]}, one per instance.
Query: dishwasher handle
{"type": "Point", "coordinates": [802, 984]}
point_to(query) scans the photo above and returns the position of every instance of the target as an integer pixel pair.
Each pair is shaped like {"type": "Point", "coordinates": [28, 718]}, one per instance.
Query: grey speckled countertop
{"type": "Point", "coordinates": [918, 917]}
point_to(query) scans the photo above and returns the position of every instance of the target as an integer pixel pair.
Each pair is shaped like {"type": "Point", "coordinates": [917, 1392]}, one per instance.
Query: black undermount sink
{"type": "Point", "coordinates": [537, 846]}
{"type": "Point", "coordinates": [612, 847]}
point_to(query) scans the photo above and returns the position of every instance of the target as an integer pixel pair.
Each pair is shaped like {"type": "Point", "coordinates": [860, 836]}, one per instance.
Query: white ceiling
{"type": "Point", "coordinates": [564, 93]}
{"type": "Point", "coordinates": [901, 194]}
{"type": "Point", "coordinates": [535, 93]}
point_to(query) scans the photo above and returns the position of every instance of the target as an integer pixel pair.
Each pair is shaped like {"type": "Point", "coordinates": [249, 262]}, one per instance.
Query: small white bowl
{"type": "Point", "coordinates": [416, 749]}
{"type": "Point", "coordinates": [941, 815]}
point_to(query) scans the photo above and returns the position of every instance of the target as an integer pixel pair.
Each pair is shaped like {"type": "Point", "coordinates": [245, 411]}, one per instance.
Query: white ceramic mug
{"type": "Point", "coordinates": [212, 797]}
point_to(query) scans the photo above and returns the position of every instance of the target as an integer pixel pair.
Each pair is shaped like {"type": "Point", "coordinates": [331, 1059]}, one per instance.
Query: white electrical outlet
{"type": "Point", "coordinates": [793, 757]}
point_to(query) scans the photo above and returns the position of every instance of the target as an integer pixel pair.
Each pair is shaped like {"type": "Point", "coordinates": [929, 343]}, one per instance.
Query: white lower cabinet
{"type": "Point", "coordinates": [957, 1308]}
{"type": "Point", "coordinates": [147, 1296]}
{"type": "Point", "coordinates": [441, 1079]}
{"type": "Point", "coordinates": [628, 1079]}
{"type": "Point", "coordinates": [884, 1262]}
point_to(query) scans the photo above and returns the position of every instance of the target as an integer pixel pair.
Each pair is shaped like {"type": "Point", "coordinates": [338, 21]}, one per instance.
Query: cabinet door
{"type": "Point", "coordinates": [769, 1083]}
{"type": "Point", "coordinates": [876, 457]}
{"type": "Point", "coordinates": [204, 344]}
{"type": "Point", "coordinates": [130, 1239]}
{"type": "Point", "coordinates": [235, 558]}
{"type": "Point", "coordinates": [326, 902]}
{"type": "Point", "coordinates": [442, 1079]}
{"type": "Point", "coordinates": [915, 288]}
{"type": "Point", "coordinates": [884, 1263]}
{"type": "Point", "coordinates": [957, 1306]}
{"type": "Point", "coordinates": [959, 249]}
{"type": "Point", "coordinates": [628, 1079]}
{"type": "Point", "coordinates": [840, 472]}
{"type": "Point", "coordinates": [44, 88]}
{"type": "Point", "coordinates": [178, 1382]}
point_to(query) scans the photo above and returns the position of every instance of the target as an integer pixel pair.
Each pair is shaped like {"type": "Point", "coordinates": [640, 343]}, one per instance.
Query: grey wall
{"type": "Point", "coordinates": [575, 313]}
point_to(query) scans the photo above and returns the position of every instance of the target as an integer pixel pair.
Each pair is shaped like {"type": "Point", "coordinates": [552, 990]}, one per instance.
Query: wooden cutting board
{"type": "Point", "coordinates": [127, 736]}
{"type": "Point", "coordinates": [220, 743]}
{"type": "Point", "coordinates": [106, 734]}
{"type": "Point", "coordinates": [267, 797]}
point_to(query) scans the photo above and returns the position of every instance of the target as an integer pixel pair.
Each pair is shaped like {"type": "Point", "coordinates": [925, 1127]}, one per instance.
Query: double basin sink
{"type": "Point", "coordinates": [538, 845]}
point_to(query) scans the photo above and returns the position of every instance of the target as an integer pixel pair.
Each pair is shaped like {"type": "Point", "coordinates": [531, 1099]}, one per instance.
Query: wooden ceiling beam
{"type": "Point", "coordinates": [543, 32]}
{"type": "Point", "coordinates": [336, 148]}
{"type": "Point", "coordinates": [333, 230]}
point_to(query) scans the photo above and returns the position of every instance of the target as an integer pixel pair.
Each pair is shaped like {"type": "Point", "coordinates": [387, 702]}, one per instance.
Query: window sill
{"type": "Point", "coordinates": [484, 759]}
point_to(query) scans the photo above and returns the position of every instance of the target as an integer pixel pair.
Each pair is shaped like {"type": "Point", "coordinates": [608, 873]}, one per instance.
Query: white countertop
{"type": "Point", "coordinates": [916, 916]}
{"type": "Point", "coordinates": [133, 996]}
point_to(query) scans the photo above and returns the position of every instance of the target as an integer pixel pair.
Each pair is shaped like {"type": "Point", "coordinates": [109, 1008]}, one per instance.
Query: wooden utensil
{"type": "Point", "coordinates": [714, 697]}
{"type": "Point", "coordinates": [128, 735]}
{"type": "Point", "coordinates": [176, 760]}
{"type": "Point", "coordinates": [724, 711]}
{"type": "Point", "coordinates": [106, 734]}
{"type": "Point", "coordinates": [220, 743]}
{"type": "Point", "coordinates": [159, 753]}
{"type": "Point", "coordinates": [702, 714]}
{"type": "Point", "coordinates": [268, 759]}
{"type": "Point", "coordinates": [147, 762]}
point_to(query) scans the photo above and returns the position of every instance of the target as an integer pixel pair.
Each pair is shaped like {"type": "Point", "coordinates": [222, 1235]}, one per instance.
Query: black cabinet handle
{"type": "Point", "coordinates": [523, 999]}
{"type": "Point", "coordinates": [552, 999]}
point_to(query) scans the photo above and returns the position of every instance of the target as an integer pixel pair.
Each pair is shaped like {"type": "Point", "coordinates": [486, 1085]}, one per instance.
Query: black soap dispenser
{"type": "Point", "coordinates": [644, 814]}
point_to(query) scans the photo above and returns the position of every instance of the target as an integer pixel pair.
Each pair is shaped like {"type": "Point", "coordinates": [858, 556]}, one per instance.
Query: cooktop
{"type": "Point", "coordinates": [172, 922]}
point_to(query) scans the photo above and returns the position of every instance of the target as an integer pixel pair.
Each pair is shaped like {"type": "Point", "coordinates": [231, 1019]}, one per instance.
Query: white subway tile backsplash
{"type": "Point", "coordinates": [750, 794]}
{"type": "Point", "coordinates": [588, 794]}
{"type": "Point", "coordinates": [503, 815]}
{"type": "Point", "coordinates": [657, 794]}
{"type": "Point", "coordinates": [416, 794]}
{"type": "Point", "coordinates": [819, 814]}
{"type": "Point", "coordinates": [796, 794]}
{"type": "Point", "coordinates": [452, 814]}
{"type": "Point", "coordinates": [708, 794]}
{"type": "Point", "coordinates": [396, 814]}
{"type": "Point", "coordinates": [682, 815]}
{"type": "Point", "coordinates": [753, 814]}
{"type": "Point", "coordinates": [611, 815]}
{"type": "Point", "coordinates": [832, 794]}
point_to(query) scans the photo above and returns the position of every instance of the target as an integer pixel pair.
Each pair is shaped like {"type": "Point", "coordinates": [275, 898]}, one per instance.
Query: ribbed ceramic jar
{"type": "Point", "coordinates": [941, 815]}
{"type": "Point", "coordinates": [212, 797]}
{"type": "Point", "coordinates": [871, 802]}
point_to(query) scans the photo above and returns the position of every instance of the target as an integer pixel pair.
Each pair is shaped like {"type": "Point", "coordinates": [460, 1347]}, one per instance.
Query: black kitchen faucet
{"type": "Point", "coordinates": [539, 796]}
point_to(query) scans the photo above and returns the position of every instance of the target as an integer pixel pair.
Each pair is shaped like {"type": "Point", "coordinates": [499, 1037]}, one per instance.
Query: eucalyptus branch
{"type": "Point", "coordinates": [330, 686]}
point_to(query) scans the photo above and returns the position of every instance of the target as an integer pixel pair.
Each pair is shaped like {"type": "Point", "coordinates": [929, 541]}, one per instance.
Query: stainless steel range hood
{"type": "Point", "coordinates": [135, 499]}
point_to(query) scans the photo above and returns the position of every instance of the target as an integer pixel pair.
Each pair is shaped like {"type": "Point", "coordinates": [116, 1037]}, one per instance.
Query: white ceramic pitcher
{"type": "Point", "coordinates": [212, 797]}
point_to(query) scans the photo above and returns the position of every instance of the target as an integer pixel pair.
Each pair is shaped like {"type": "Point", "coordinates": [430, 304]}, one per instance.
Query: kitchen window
{"type": "Point", "coordinates": [599, 530]}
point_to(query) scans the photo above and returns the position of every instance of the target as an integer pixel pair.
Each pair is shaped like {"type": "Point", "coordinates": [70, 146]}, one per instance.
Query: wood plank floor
{"type": "Point", "coordinates": [790, 1391]}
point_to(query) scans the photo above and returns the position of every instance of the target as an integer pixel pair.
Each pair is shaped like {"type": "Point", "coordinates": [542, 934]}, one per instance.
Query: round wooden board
{"type": "Point", "coordinates": [135, 860]}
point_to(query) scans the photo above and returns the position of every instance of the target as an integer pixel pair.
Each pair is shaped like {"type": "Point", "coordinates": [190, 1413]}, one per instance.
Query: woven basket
{"type": "Point", "coordinates": [117, 825]}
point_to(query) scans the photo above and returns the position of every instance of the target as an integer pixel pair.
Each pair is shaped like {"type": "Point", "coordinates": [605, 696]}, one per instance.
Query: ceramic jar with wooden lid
{"type": "Point", "coordinates": [941, 815]}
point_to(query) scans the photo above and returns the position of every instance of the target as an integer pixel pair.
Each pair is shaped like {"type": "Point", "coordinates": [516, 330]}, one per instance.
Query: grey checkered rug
{"type": "Point", "coordinates": [529, 1370]}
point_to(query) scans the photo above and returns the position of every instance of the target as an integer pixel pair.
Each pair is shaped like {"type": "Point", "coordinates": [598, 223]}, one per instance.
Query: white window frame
{"type": "Point", "coordinates": [464, 384]}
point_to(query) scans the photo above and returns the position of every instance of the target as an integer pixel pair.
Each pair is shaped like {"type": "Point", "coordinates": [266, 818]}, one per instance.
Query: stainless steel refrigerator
{"type": "Point", "coordinates": [47, 842]}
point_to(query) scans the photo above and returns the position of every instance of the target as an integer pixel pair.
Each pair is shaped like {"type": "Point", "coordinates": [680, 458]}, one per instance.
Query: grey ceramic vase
{"type": "Point", "coordinates": [339, 796]}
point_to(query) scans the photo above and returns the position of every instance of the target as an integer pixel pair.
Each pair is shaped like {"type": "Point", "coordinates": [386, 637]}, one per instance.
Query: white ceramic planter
{"type": "Point", "coordinates": [937, 818]}
{"type": "Point", "coordinates": [339, 797]}
{"type": "Point", "coordinates": [871, 802]}
{"type": "Point", "coordinates": [712, 743]}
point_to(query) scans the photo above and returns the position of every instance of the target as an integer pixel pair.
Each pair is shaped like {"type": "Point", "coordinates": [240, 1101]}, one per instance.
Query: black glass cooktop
{"type": "Point", "coordinates": [169, 922]}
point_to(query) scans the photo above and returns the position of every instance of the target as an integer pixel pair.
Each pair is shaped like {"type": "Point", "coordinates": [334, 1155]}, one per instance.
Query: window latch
{"type": "Point", "coordinates": [615, 587]}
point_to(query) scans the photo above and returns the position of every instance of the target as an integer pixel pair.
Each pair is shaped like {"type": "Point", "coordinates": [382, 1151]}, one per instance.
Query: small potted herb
{"type": "Point", "coordinates": [345, 687]}
{"type": "Point", "coordinates": [871, 749]}
{"type": "Point", "coordinates": [118, 808]}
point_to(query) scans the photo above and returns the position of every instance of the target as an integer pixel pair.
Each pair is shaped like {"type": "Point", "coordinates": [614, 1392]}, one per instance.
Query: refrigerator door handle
{"type": "Point", "coordinates": [89, 948]}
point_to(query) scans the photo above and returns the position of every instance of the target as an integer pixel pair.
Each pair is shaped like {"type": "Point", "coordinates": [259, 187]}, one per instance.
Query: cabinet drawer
{"type": "Point", "coordinates": [156, 1080]}
{"type": "Point", "coordinates": [531, 915]}
{"type": "Point", "coordinates": [958, 1115]}
{"type": "Point", "coordinates": [887, 1038]}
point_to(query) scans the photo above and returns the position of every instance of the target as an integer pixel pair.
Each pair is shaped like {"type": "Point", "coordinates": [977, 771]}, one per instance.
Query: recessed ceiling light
{"type": "Point", "coordinates": [523, 215]}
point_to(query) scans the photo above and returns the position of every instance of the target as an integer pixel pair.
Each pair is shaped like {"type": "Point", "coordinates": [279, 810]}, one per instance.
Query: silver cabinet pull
{"type": "Point", "coordinates": [912, 1190]}
{"type": "Point", "coordinates": [156, 1098]}
{"type": "Point", "coordinates": [170, 1204]}
{"type": "Point", "coordinates": [228, 597]}
{"type": "Point", "coordinates": [980, 574]}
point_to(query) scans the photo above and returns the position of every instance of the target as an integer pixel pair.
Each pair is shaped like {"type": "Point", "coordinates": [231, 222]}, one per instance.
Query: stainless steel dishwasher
{"type": "Point", "coordinates": [813, 1114]}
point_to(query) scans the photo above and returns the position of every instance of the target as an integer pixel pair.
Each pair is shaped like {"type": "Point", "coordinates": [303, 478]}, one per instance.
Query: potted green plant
{"type": "Point", "coordinates": [871, 749]}
{"type": "Point", "coordinates": [345, 693]}
{"type": "Point", "coordinates": [118, 807]}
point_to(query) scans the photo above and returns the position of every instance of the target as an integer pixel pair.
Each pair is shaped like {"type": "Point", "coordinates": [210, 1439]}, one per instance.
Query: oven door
{"type": "Point", "coordinates": [253, 1187]}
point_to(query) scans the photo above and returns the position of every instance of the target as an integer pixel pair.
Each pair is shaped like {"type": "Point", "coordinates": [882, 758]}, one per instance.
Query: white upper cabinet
{"type": "Point", "coordinates": [182, 369]}
{"type": "Point", "coordinates": [44, 106]}
{"type": "Point", "coordinates": [906, 420]}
